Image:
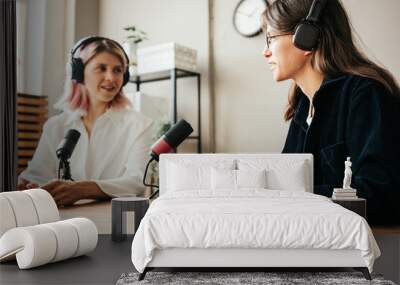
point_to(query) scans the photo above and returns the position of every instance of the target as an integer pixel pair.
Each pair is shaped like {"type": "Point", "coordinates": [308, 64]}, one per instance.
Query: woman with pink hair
{"type": "Point", "coordinates": [111, 153]}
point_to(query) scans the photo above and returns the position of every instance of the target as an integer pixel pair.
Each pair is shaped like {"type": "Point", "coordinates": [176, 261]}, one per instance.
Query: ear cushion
{"type": "Point", "coordinates": [77, 68]}
{"type": "Point", "coordinates": [306, 36]}
{"type": "Point", "coordinates": [126, 76]}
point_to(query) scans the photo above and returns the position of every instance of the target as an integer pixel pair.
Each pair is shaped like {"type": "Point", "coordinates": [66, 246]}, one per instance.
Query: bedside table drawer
{"type": "Point", "coordinates": [358, 206]}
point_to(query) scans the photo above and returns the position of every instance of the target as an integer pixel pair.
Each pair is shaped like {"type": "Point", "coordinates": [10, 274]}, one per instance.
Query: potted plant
{"type": "Point", "coordinates": [132, 39]}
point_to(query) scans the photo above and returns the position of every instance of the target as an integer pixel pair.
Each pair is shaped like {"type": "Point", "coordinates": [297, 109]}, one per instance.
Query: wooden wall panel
{"type": "Point", "coordinates": [32, 113]}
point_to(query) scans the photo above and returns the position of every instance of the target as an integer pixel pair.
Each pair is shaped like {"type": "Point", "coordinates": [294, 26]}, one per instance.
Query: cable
{"type": "Point", "coordinates": [154, 194]}
{"type": "Point", "coordinates": [144, 179]}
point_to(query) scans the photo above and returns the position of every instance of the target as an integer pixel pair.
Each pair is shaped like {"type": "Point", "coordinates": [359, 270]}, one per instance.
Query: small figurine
{"type": "Point", "coordinates": [347, 174]}
{"type": "Point", "coordinates": [345, 193]}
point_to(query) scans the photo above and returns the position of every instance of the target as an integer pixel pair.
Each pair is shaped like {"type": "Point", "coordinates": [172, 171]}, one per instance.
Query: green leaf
{"type": "Point", "coordinates": [135, 35]}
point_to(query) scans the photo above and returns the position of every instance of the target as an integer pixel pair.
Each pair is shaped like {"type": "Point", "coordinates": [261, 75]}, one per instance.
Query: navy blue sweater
{"type": "Point", "coordinates": [357, 117]}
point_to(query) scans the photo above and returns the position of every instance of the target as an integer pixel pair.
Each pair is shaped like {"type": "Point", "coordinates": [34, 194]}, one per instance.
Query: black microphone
{"type": "Point", "coordinates": [172, 139]}
{"type": "Point", "coordinates": [68, 144]}
{"type": "Point", "coordinates": [64, 152]}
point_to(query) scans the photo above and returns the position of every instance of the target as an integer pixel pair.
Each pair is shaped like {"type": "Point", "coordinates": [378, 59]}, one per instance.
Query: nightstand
{"type": "Point", "coordinates": [120, 205]}
{"type": "Point", "coordinates": [358, 205]}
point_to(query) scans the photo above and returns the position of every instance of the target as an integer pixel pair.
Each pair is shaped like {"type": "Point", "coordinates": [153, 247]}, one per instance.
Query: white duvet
{"type": "Point", "coordinates": [250, 219]}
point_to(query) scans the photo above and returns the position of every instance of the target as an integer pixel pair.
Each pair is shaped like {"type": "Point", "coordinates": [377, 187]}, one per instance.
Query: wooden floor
{"type": "Point", "coordinates": [386, 230]}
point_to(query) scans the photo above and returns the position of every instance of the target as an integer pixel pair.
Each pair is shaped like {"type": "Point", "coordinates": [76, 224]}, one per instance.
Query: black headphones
{"type": "Point", "coordinates": [307, 32]}
{"type": "Point", "coordinates": [77, 65]}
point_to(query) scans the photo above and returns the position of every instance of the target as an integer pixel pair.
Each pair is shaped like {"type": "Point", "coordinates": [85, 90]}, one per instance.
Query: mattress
{"type": "Point", "coordinates": [250, 219]}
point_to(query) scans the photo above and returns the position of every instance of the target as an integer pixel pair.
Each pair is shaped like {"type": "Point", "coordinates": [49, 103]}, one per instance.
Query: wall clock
{"type": "Point", "coordinates": [247, 17]}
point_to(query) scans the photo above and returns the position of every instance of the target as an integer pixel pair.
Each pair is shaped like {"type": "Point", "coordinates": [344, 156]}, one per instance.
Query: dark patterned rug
{"type": "Point", "coordinates": [242, 278]}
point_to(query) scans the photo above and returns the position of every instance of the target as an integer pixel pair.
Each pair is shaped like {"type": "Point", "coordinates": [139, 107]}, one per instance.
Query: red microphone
{"type": "Point", "coordinates": [170, 141]}
{"type": "Point", "coordinates": [167, 143]}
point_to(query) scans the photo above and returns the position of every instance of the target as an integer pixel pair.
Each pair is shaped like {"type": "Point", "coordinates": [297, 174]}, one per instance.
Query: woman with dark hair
{"type": "Point", "coordinates": [341, 104]}
{"type": "Point", "coordinates": [111, 153]}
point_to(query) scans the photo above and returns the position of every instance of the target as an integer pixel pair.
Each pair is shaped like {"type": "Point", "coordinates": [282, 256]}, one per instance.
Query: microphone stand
{"type": "Point", "coordinates": [66, 170]}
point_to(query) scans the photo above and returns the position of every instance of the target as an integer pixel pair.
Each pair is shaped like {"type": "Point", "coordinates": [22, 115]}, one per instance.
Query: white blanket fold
{"type": "Point", "coordinates": [250, 219]}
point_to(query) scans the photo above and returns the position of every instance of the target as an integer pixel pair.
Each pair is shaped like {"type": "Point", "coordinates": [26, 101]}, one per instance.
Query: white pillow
{"type": "Point", "coordinates": [223, 179]}
{"type": "Point", "coordinates": [182, 177]}
{"type": "Point", "coordinates": [251, 178]}
{"type": "Point", "coordinates": [237, 179]}
{"type": "Point", "coordinates": [281, 174]}
{"type": "Point", "coordinates": [189, 176]}
{"type": "Point", "coordinates": [292, 179]}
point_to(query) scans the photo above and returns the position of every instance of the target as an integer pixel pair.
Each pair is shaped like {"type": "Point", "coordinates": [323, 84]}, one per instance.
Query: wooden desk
{"type": "Point", "coordinates": [98, 212]}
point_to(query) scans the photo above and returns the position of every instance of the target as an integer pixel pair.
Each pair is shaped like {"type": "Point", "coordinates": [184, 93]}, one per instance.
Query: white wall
{"type": "Point", "coordinates": [54, 52]}
{"type": "Point", "coordinates": [87, 18]}
{"type": "Point", "coordinates": [21, 12]}
{"type": "Point", "coordinates": [69, 24]}
{"type": "Point", "coordinates": [377, 24]}
{"type": "Point", "coordinates": [34, 47]}
{"type": "Point", "coordinates": [249, 105]}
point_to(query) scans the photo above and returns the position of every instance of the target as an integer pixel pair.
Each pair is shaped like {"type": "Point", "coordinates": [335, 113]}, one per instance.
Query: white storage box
{"type": "Point", "coordinates": [166, 56]}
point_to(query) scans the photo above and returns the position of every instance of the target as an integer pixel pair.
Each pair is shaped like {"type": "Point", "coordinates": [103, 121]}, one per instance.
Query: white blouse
{"type": "Point", "coordinates": [114, 156]}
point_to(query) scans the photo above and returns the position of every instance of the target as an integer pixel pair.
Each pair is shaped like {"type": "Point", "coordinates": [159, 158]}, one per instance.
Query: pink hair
{"type": "Point", "coordinates": [80, 99]}
{"type": "Point", "coordinates": [77, 94]}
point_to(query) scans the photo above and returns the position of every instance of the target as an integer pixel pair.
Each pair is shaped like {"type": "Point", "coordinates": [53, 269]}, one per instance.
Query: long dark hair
{"type": "Point", "coordinates": [336, 52]}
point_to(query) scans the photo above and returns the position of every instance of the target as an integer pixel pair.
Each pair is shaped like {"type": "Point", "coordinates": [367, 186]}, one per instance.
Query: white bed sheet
{"type": "Point", "coordinates": [251, 218]}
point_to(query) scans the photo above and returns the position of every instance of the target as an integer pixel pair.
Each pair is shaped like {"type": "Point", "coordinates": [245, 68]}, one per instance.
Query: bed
{"type": "Point", "coordinates": [245, 211]}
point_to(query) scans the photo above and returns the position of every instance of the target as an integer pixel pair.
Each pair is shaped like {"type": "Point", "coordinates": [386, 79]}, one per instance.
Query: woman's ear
{"type": "Point", "coordinates": [307, 53]}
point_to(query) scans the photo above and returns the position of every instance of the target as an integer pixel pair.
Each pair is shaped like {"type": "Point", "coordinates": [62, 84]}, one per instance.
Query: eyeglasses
{"type": "Point", "coordinates": [270, 38]}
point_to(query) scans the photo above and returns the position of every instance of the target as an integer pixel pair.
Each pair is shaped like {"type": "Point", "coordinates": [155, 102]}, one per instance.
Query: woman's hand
{"type": "Point", "coordinates": [66, 193]}
{"type": "Point", "coordinates": [25, 185]}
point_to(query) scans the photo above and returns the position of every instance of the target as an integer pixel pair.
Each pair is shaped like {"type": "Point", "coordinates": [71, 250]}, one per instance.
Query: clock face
{"type": "Point", "coordinates": [247, 17]}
